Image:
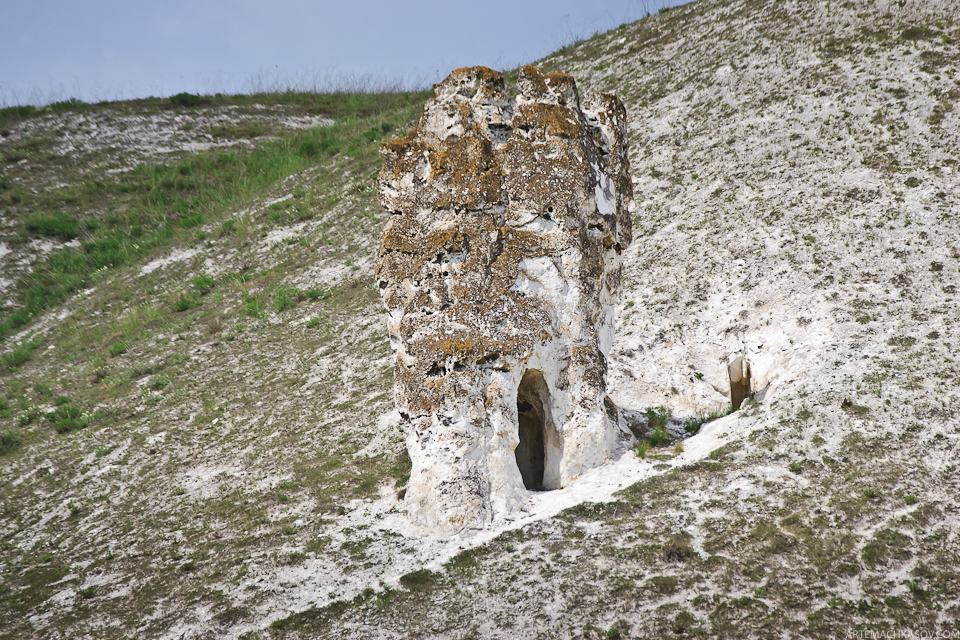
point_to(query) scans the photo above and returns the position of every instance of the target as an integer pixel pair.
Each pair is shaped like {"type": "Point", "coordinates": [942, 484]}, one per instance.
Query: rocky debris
{"type": "Point", "coordinates": [500, 267]}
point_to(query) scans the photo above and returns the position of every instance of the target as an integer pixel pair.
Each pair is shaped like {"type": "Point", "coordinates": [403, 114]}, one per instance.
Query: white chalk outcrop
{"type": "Point", "coordinates": [499, 268]}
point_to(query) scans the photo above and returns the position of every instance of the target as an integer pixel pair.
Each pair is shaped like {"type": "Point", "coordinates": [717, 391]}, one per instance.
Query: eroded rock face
{"type": "Point", "coordinates": [499, 268]}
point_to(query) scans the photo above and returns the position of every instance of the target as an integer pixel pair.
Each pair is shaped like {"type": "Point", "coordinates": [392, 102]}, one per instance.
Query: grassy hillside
{"type": "Point", "coordinates": [192, 350]}
{"type": "Point", "coordinates": [196, 437]}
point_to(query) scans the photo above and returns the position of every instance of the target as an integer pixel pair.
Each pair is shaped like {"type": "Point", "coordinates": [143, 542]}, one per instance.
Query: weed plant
{"type": "Point", "coordinates": [9, 441]}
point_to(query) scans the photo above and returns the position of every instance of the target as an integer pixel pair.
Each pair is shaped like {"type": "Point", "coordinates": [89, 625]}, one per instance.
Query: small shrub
{"type": "Point", "coordinates": [159, 382]}
{"type": "Point", "coordinates": [16, 358]}
{"type": "Point", "coordinates": [9, 441]}
{"type": "Point", "coordinates": [61, 400]}
{"type": "Point", "coordinates": [917, 33]}
{"type": "Point", "coordinates": [658, 437]}
{"type": "Point", "coordinates": [117, 348]}
{"type": "Point", "coordinates": [656, 417]}
{"type": "Point", "coordinates": [53, 225]}
{"type": "Point", "coordinates": [419, 580]}
{"type": "Point", "coordinates": [66, 419]}
{"type": "Point", "coordinates": [693, 425]}
{"type": "Point", "coordinates": [286, 298]}
{"type": "Point", "coordinates": [139, 370]}
{"type": "Point", "coordinates": [683, 623]}
{"type": "Point", "coordinates": [215, 325]}
{"type": "Point", "coordinates": [203, 284]}
{"type": "Point", "coordinates": [179, 491]}
{"type": "Point", "coordinates": [186, 100]}
{"type": "Point", "coordinates": [184, 303]}
{"type": "Point", "coordinates": [678, 447]}
{"type": "Point", "coordinates": [28, 416]}
{"type": "Point", "coordinates": [312, 322]}
{"type": "Point", "coordinates": [253, 308]}
{"type": "Point", "coordinates": [909, 499]}
{"type": "Point", "coordinates": [641, 449]}
{"type": "Point", "coordinates": [796, 467]}
{"type": "Point", "coordinates": [318, 294]}
{"type": "Point", "coordinates": [190, 222]}
{"type": "Point", "coordinates": [4, 408]}
{"type": "Point", "coordinates": [676, 550]}
{"type": "Point", "coordinates": [88, 592]}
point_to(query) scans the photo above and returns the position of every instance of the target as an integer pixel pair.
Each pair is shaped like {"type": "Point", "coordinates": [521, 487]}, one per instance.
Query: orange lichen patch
{"type": "Point", "coordinates": [484, 74]}
{"type": "Point", "coordinates": [547, 88]}
{"type": "Point", "coordinates": [534, 79]}
{"type": "Point", "coordinates": [469, 168]}
{"type": "Point", "coordinates": [397, 146]}
{"type": "Point", "coordinates": [547, 120]}
{"type": "Point", "coordinates": [565, 88]}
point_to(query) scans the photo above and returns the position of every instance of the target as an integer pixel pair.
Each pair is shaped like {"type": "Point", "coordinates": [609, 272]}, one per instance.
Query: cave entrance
{"type": "Point", "coordinates": [538, 454]}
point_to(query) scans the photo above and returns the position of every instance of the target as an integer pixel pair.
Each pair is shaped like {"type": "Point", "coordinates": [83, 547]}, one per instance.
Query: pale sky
{"type": "Point", "coordinates": [110, 49]}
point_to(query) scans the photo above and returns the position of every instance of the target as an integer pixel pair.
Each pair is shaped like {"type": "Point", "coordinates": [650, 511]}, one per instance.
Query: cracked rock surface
{"type": "Point", "coordinates": [499, 267]}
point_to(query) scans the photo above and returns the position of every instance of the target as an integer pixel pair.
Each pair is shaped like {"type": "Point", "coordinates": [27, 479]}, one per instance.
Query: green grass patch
{"type": "Point", "coordinates": [66, 419]}
{"type": "Point", "coordinates": [18, 357]}
{"type": "Point", "coordinates": [53, 225]}
{"type": "Point", "coordinates": [419, 580]}
{"type": "Point", "coordinates": [149, 207]}
{"type": "Point", "coordinates": [117, 348]}
{"type": "Point", "coordinates": [9, 441]}
{"type": "Point", "coordinates": [693, 425]}
{"type": "Point", "coordinates": [287, 298]}
{"type": "Point", "coordinates": [203, 284]}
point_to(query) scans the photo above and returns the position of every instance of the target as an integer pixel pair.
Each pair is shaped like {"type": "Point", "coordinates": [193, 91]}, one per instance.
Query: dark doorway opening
{"type": "Point", "coordinates": [533, 410]}
{"type": "Point", "coordinates": [739, 382]}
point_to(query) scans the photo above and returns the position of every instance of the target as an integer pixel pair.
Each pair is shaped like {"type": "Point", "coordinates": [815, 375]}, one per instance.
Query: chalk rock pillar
{"type": "Point", "coordinates": [499, 267]}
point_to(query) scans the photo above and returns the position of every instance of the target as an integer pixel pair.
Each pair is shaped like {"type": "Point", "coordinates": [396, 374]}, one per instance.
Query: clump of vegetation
{"type": "Point", "coordinates": [658, 437]}
{"type": "Point", "coordinates": [253, 308]}
{"type": "Point", "coordinates": [419, 580]}
{"type": "Point", "coordinates": [187, 100]}
{"type": "Point", "coordinates": [53, 225]}
{"type": "Point", "coordinates": [18, 357]}
{"type": "Point", "coordinates": [203, 284]}
{"type": "Point", "coordinates": [117, 348]}
{"type": "Point", "coordinates": [676, 549]}
{"type": "Point", "coordinates": [9, 441]}
{"type": "Point", "coordinates": [656, 417]}
{"type": "Point", "coordinates": [641, 449]}
{"type": "Point", "coordinates": [287, 297]}
{"type": "Point", "coordinates": [693, 425]}
{"type": "Point", "coordinates": [66, 419]}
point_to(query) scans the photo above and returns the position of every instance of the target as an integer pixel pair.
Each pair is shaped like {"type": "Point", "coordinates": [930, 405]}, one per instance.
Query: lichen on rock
{"type": "Point", "coordinates": [500, 267]}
